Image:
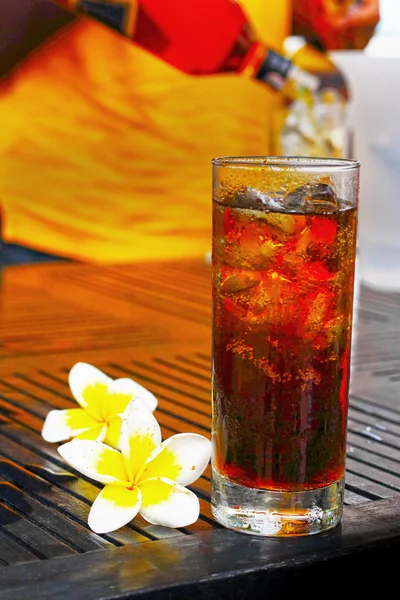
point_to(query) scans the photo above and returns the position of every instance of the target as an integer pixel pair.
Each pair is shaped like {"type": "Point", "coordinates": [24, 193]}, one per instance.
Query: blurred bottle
{"type": "Point", "coordinates": [202, 37]}
{"type": "Point", "coordinates": [314, 122]}
{"type": "Point", "coordinates": [309, 59]}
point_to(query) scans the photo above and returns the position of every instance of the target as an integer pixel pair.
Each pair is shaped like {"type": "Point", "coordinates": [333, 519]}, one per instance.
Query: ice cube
{"type": "Point", "coordinates": [283, 223]}
{"type": "Point", "coordinates": [319, 310]}
{"type": "Point", "coordinates": [293, 264]}
{"type": "Point", "coordinates": [239, 281]}
{"type": "Point", "coordinates": [275, 301]}
{"type": "Point", "coordinates": [252, 198]}
{"type": "Point", "coordinates": [248, 243]}
{"type": "Point", "coordinates": [316, 272]}
{"type": "Point", "coordinates": [246, 256]}
{"type": "Point", "coordinates": [315, 198]}
{"type": "Point", "coordinates": [269, 248]}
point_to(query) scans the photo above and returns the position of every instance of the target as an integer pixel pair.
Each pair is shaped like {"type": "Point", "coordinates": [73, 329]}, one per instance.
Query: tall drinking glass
{"type": "Point", "coordinates": [284, 236]}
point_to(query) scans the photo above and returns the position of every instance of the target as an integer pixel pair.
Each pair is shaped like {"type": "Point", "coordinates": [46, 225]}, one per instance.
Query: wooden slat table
{"type": "Point", "coordinates": [152, 323]}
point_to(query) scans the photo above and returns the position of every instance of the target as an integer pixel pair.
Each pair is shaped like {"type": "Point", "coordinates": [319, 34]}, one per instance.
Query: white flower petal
{"type": "Point", "coordinates": [181, 458]}
{"type": "Point", "coordinates": [97, 434]}
{"type": "Point", "coordinates": [89, 387]}
{"type": "Point", "coordinates": [140, 434]}
{"type": "Point", "coordinates": [113, 432]}
{"type": "Point", "coordinates": [167, 503]}
{"type": "Point", "coordinates": [95, 460]}
{"type": "Point", "coordinates": [113, 508]}
{"type": "Point", "coordinates": [61, 425]}
{"type": "Point", "coordinates": [129, 389]}
{"type": "Point", "coordinates": [117, 398]}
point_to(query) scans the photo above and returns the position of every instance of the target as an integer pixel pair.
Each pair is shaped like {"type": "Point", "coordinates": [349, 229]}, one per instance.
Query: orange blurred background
{"type": "Point", "coordinates": [106, 151]}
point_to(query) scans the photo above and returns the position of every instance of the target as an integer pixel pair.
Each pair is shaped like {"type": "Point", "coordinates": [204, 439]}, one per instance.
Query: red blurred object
{"type": "Point", "coordinates": [312, 18]}
{"type": "Point", "coordinates": [202, 37]}
{"type": "Point", "coordinates": [196, 37]}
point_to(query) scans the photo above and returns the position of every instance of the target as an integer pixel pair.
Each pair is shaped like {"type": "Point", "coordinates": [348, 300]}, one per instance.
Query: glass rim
{"type": "Point", "coordinates": [299, 163]}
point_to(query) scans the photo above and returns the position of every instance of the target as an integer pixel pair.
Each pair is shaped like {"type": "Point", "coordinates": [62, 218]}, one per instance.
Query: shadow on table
{"type": "Point", "coordinates": [14, 254]}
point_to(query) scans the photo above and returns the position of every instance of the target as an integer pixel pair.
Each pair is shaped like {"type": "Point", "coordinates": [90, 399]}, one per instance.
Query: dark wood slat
{"type": "Point", "coordinates": [198, 377]}
{"type": "Point", "coordinates": [22, 529]}
{"type": "Point", "coordinates": [18, 397]}
{"type": "Point", "coordinates": [84, 491]}
{"type": "Point", "coordinates": [368, 489]}
{"type": "Point", "coordinates": [371, 473]}
{"type": "Point", "coordinates": [352, 498]}
{"type": "Point", "coordinates": [27, 470]}
{"type": "Point", "coordinates": [164, 382]}
{"type": "Point", "coordinates": [378, 453]}
{"type": "Point", "coordinates": [375, 423]}
{"type": "Point", "coordinates": [380, 412]}
{"type": "Point", "coordinates": [193, 363]}
{"type": "Point", "coordinates": [394, 370]}
{"type": "Point", "coordinates": [71, 532]}
{"type": "Point", "coordinates": [222, 564]}
{"type": "Point", "coordinates": [89, 491]}
{"type": "Point", "coordinates": [369, 432]}
{"type": "Point", "coordinates": [204, 357]}
{"type": "Point", "coordinates": [180, 376]}
{"type": "Point", "coordinates": [12, 553]}
{"type": "Point", "coordinates": [376, 390]}
{"type": "Point", "coordinates": [49, 392]}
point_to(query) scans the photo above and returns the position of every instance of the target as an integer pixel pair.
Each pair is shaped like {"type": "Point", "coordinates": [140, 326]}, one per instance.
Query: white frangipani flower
{"type": "Point", "coordinates": [102, 401]}
{"type": "Point", "coordinates": [146, 476]}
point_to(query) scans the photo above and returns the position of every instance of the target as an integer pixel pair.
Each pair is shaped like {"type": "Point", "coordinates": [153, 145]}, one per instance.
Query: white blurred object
{"type": "Point", "coordinates": [384, 47]}
{"type": "Point", "coordinates": [375, 115]}
{"type": "Point", "coordinates": [316, 125]}
{"type": "Point", "coordinates": [386, 41]}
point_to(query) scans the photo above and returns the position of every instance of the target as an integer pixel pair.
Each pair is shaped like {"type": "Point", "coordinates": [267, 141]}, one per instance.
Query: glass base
{"type": "Point", "coordinates": [273, 513]}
